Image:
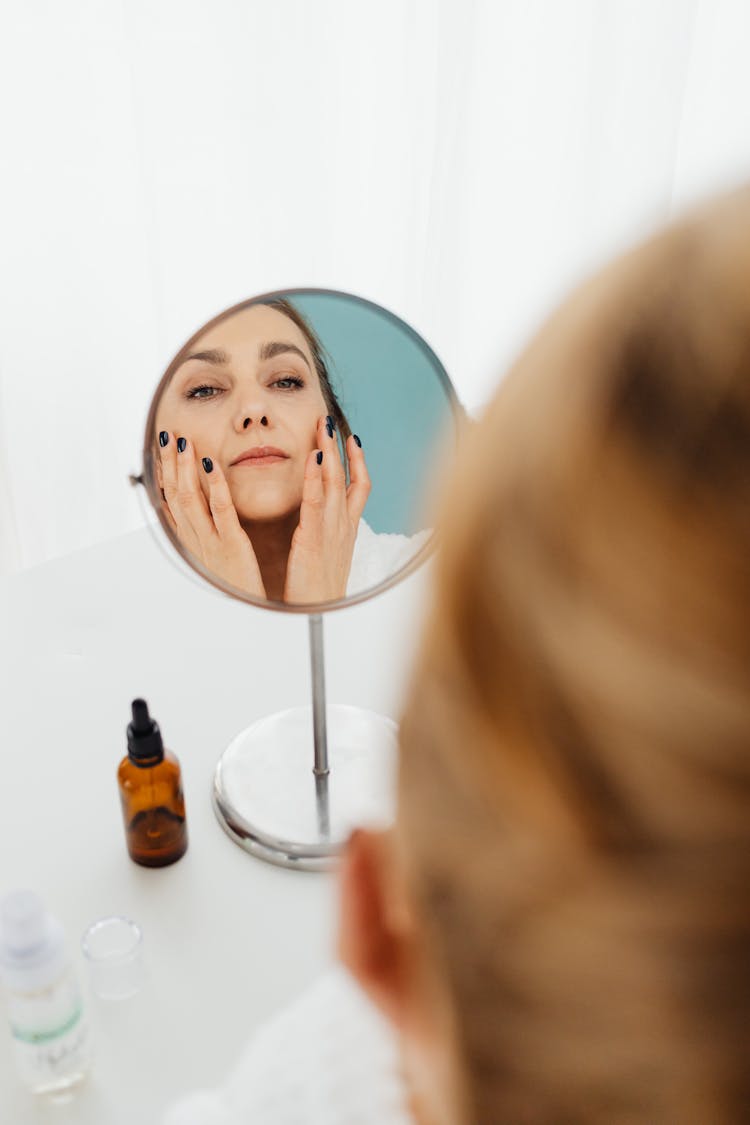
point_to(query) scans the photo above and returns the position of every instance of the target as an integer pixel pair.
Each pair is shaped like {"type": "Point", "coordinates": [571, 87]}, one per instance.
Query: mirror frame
{"type": "Point", "coordinates": [148, 474]}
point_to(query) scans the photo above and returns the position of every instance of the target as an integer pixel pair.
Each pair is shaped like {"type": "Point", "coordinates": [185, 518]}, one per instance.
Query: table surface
{"type": "Point", "coordinates": [228, 939]}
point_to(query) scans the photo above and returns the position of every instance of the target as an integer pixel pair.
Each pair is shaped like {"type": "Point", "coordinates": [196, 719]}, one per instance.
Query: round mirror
{"type": "Point", "coordinates": [289, 452]}
{"type": "Point", "coordinates": [290, 445]}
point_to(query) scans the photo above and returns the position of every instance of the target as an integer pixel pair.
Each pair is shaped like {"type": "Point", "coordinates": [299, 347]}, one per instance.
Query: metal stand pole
{"type": "Point", "coordinates": [317, 668]}
{"type": "Point", "coordinates": [320, 733]}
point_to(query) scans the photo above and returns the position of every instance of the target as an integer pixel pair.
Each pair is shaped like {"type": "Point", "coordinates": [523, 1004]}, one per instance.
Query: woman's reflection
{"type": "Point", "coordinates": [249, 461]}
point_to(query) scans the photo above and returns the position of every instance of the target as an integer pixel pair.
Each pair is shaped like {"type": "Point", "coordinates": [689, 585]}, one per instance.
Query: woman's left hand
{"type": "Point", "coordinates": [323, 543]}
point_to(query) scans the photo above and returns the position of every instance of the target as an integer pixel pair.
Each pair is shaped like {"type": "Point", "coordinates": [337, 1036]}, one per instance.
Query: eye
{"type": "Point", "coordinates": [288, 383]}
{"type": "Point", "coordinates": [204, 391]}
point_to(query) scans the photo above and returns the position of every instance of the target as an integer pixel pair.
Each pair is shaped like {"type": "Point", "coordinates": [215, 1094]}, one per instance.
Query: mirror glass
{"type": "Point", "coordinates": [290, 448]}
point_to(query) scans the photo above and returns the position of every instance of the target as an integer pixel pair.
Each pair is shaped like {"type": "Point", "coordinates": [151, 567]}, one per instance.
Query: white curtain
{"type": "Point", "coordinates": [462, 162]}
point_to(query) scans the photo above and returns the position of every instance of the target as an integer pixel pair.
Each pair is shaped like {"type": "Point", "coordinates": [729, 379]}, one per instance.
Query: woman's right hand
{"type": "Point", "coordinates": [209, 529]}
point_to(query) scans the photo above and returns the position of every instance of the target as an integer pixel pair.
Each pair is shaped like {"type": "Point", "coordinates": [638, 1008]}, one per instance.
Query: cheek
{"type": "Point", "coordinates": [170, 411]}
{"type": "Point", "coordinates": [313, 434]}
{"type": "Point", "coordinates": [307, 427]}
{"type": "Point", "coordinates": [204, 429]}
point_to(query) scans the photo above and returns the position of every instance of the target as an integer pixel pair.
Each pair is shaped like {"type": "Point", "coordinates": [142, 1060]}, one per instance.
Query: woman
{"type": "Point", "coordinates": [249, 463]}
{"type": "Point", "coordinates": [558, 927]}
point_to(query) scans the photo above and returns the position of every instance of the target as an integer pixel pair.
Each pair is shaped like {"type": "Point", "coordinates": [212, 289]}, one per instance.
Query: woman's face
{"type": "Point", "coordinates": [248, 397]}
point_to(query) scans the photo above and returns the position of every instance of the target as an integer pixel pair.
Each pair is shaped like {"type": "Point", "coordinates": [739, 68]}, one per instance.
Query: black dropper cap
{"type": "Point", "coordinates": [144, 736]}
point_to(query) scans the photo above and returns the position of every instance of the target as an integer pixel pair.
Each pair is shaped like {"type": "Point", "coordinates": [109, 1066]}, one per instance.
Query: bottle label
{"type": "Point", "coordinates": [54, 1062]}
{"type": "Point", "coordinates": [50, 1036]}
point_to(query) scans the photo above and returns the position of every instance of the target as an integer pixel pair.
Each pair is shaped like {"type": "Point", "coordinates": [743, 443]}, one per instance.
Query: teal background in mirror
{"type": "Point", "coordinates": [393, 394]}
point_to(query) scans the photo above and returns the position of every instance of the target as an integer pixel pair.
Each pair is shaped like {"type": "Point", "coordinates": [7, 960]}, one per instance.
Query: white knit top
{"type": "Point", "coordinates": [330, 1058]}
{"type": "Point", "coordinates": [378, 555]}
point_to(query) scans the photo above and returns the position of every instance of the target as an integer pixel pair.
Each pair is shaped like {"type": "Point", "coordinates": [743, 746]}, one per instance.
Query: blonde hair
{"type": "Point", "coordinates": [575, 777]}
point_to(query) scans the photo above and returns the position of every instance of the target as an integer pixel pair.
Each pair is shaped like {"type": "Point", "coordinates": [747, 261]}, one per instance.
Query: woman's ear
{"type": "Point", "coordinates": [379, 943]}
{"type": "Point", "coordinates": [375, 938]}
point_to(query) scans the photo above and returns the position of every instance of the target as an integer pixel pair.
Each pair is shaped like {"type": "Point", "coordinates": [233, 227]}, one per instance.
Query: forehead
{"type": "Point", "coordinates": [242, 333]}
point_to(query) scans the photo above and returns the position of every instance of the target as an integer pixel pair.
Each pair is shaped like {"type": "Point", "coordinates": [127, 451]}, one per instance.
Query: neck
{"type": "Point", "coordinates": [435, 1094]}
{"type": "Point", "coordinates": [272, 541]}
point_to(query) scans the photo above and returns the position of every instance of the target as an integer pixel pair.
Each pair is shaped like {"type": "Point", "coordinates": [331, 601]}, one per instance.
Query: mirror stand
{"type": "Point", "coordinates": [270, 801]}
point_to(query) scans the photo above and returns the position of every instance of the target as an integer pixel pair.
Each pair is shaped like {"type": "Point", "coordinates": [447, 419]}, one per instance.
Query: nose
{"type": "Point", "coordinates": [252, 410]}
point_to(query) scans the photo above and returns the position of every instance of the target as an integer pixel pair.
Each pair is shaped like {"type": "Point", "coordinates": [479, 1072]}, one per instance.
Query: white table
{"type": "Point", "coordinates": [228, 939]}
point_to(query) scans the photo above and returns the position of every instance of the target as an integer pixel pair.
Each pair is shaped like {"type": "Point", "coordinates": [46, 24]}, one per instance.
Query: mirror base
{"type": "Point", "coordinates": [269, 801]}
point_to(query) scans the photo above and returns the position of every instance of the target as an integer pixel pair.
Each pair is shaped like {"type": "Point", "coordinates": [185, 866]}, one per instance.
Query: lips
{"type": "Point", "coordinates": [260, 455]}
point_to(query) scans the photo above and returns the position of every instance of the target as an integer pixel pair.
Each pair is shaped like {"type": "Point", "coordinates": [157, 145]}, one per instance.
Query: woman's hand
{"type": "Point", "coordinates": [209, 529]}
{"type": "Point", "coordinates": [323, 543]}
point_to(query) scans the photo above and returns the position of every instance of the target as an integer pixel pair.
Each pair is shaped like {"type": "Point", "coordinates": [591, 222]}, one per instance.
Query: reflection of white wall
{"type": "Point", "coordinates": [461, 163]}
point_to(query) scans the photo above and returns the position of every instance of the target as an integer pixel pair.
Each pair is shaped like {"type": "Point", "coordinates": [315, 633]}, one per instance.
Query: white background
{"type": "Point", "coordinates": [460, 162]}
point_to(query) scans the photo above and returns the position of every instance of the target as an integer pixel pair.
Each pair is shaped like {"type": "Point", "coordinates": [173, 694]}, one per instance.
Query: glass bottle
{"type": "Point", "coordinates": [153, 805]}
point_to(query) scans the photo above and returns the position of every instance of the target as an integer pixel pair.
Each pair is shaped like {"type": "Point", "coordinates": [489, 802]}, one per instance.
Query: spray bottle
{"type": "Point", "coordinates": [49, 1029]}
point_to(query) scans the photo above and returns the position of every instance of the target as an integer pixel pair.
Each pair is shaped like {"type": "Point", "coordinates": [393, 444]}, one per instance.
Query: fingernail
{"type": "Point", "coordinates": [163, 438]}
{"type": "Point", "coordinates": [330, 422]}
{"type": "Point", "coordinates": [359, 443]}
{"type": "Point", "coordinates": [329, 429]}
{"type": "Point", "coordinates": [208, 464]}
{"type": "Point", "coordinates": [181, 443]}
{"type": "Point", "coordinates": [319, 457]}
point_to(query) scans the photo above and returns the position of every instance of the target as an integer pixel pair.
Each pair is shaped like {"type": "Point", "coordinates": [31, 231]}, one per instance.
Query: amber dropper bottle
{"type": "Point", "coordinates": [153, 806]}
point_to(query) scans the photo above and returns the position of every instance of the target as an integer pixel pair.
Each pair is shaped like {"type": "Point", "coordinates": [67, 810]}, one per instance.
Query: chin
{"type": "Point", "coordinates": [266, 509]}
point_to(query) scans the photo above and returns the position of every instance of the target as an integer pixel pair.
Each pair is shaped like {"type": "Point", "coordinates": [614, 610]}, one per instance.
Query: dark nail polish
{"type": "Point", "coordinates": [163, 438]}
{"type": "Point", "coordinates": [359, 443]}
{"type": "Point", "coordinates": [330, 422]}
{"type": "Point", "coordinates": [329, 429]}
{"type": "Point", "coordinates": [181, 443]}
{"type": "Point", "coordinates": [208, 464]}
{"type": "Point", "coordinates": [319, 457]}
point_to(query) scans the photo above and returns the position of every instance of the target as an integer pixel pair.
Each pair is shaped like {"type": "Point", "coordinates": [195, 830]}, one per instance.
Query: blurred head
{"type": "Point", "coordinates": [560, 924]}
{"type": "Point", "coordinates": [249, 392]}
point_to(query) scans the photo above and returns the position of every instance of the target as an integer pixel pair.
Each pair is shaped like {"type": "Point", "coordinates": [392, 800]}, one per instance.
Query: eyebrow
{"type": "Point", "coordinates": [278, 347]}
{"type": "Point", "coordinates": [219, 358]}
{"type": "Point", "coordinates": [214, 355]}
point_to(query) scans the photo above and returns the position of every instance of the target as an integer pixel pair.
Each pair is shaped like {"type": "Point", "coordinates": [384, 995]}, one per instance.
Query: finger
{"type": "Point", "coordinates": [167, 471]}
{"type": "Point", "coordinates": [313, 496]}
{"type": "Point", "coordinates": [162, 454]}
{"type": "Point", "coordinates": [163, 440]}
{"type": "Point", "coordinates": [360, 486]}
{"type": "Point", "coordinates": [333, 468]}
{"type": "Point", "coordinates": [191, 509]}
{"type": "Point", "coordinates": [170, 521]}
{"type": "Point", "coordinates": [223, 512]}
